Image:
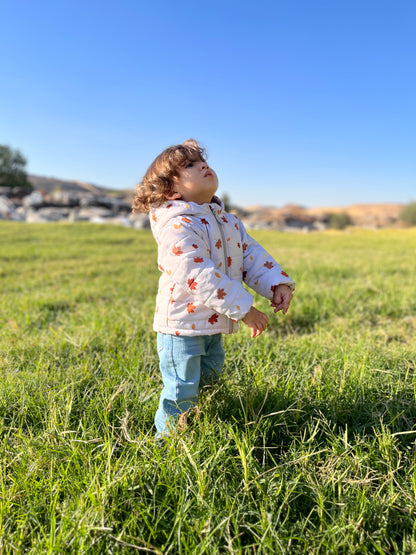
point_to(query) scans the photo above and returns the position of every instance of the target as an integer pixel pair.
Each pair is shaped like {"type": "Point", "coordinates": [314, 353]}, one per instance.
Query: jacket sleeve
{"type": "Point", "coordinates": [184, 256]}
{"type": "Point", "coordinates": [260, 271]}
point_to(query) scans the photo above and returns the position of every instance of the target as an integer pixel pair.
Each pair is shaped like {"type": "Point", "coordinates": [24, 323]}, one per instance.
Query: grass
{"type": "Point", "coordinates": [306, 446]}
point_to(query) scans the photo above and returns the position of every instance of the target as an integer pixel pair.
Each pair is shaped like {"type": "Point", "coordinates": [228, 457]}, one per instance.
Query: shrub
{"type": "Point", "coordinates": [339, 220]}
{"type": "Point", "coordinates": [408, 214]}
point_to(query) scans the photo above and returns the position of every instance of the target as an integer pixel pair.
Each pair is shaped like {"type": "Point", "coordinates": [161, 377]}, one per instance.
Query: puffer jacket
{"type": "Point", "coordinates": [204, 255]}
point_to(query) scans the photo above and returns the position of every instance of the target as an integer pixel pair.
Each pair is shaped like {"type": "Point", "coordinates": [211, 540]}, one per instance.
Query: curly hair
{"type": "Point", "coordinates": [157, 183]}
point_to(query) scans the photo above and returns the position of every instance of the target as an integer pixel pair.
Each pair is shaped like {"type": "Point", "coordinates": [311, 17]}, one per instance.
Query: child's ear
{"type": "Point", "coordinates": [173, 196]}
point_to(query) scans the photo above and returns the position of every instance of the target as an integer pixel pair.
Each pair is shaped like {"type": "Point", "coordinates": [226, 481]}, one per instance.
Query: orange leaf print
{"type": "Point", "coordinates": [217, 275]}
{"type": "Point", "coordinates": [154, 217]}
{"type": "Point", "coordinates": [177, 333]}
{"type": "Point", "coordinates": [193, 326]}
{"type": "Point", "coordinates": [229, 261]}
{"type": "Point", "coordinates": [190, 307]}
{"type": "Point", "coordinates": [198, 259]}
{"type": "Point", "coordinates": [224, 219]}
{"type": "Point", "coordinates": [221, 294]}
{"type": "Point", "coordinates": [236, 226]}
{"type": "Point", "coordinates": [284, 273]}
{"type": "Point", "coordinates": [268, 264]}
{"type": "Point", "coordinates": [218, 244]}
{"type": "Point", "coordinates": [192, 284]}
{"type": "Point", "coordinates": [213, 319]}
{"type": "Point", "coordinates": [177, 251]}
{"type": "Point", "coordinates": [245, 247]}
{"type": "Point", "coordinates": [187, 220]}
{"type": "Point", "coordinates": [177, 226]}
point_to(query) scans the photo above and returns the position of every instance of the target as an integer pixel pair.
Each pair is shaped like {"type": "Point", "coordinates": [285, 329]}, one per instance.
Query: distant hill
{"type": "Point", "coordinates": [49, 184]}
{"type": "Point", "coordinates": [372, 215]}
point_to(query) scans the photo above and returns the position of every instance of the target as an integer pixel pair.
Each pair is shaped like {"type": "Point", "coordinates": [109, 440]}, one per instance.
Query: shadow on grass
{"type": "Point", "coordinates": [285, 418]}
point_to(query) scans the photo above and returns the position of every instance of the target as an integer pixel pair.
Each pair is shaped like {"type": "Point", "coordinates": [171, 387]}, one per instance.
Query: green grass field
{"type": "Point", "coordinates": [306, 446]}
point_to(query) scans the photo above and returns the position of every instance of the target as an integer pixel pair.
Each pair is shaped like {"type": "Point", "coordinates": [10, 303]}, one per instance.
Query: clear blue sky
{"type": "Point", "coordinates": [304, 101]}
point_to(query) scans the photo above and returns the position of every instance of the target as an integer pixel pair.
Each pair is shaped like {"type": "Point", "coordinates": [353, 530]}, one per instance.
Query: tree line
{"type": "Point", "coordinates": [13, 170]}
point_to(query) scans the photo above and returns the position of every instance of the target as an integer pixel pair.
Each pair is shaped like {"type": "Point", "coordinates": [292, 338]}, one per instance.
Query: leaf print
{"type": "Point", "coordinates": [195, 246]}
{"type": "Point", "coordinates": [193, 326]}
{"type": "Point", "coordinates": [198, 259]}
{"type": "Point", "coordinates": [229, 260]}
{"type": "Point", "coordinates": [187, 220]}
{"type": "Point", "coordinates": [169, 206]}
{"type": "Point", "coordinates": [190, 307]}
{"type": "Point", "coordinates": [177, 333]}
{"type": "Point", "coordinates": [268, 264]}
{"type": "Point", "coordinates": [221, 294]}
{"type": "Point", "coordinates": [245, 247]}
{"type": "Point", "coordinates": [213, 319]}
{"type": "Point", "coordinates": [217, 275]}
{"type": "Point", "coordinates": [154, 217]}
{"type": "Point", "coordinates": [236, 226]}
{"type": "Point", "coordinates": [218, 244]}
{"type": "Point", "coordinates": [192, 284]}
{"type": "Point", "coordinates": [238, 245]}
{"type": "Point", "coordinates": [284, 273]}
{"type": "Point", "coordinates": [224, 219]}
{"type": "Point", "coordinates": [203, 221]}
{"type": "Point", "coordinates": [177, 226]}
{"type": "Point", "coordinates": [161, 268]}
{"type": "Point", "coordinates": [177, 251]}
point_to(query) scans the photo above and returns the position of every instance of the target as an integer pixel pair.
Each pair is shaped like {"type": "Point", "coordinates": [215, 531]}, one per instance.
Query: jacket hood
{"type": "Point", "coordinates": [173, 208]}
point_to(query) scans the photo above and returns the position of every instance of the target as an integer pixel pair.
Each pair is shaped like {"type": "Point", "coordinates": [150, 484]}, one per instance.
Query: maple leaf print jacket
{"type": "Point", "coordinates": [204, 254]}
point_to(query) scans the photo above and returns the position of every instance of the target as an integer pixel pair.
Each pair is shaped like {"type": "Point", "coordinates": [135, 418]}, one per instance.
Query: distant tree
{"type": "Point", "coordinates": [408, 214]}
{"type": "Point", "coordinates": [339, 220]}
{"type": "Point", "coordinates": [12, 169]}
{"type": "Point", "coordinates": [227, 202]}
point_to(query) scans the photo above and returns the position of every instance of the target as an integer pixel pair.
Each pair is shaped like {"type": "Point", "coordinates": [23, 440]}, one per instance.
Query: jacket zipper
{"type": "Point", "coordinates": [225, 253]}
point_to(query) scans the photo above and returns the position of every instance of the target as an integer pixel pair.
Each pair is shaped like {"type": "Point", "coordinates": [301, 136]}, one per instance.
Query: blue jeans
{"type": "Point", "coordinates": [186, 364]}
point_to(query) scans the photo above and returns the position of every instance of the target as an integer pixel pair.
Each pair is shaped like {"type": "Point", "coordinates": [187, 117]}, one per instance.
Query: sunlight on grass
{"type": "Point", "coordinates": [307, 445]}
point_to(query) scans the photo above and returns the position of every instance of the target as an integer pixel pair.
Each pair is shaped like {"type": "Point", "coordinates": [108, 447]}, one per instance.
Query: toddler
{"type": "Point", "coordinates": [204, 255]}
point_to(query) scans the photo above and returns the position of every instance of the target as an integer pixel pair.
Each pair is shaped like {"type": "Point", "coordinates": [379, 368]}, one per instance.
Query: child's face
{"type": "Point", "coordinates": [197, 182]}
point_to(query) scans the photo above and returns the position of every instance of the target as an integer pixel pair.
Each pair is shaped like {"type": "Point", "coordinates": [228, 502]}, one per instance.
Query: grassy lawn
{"type": "Point", "coordinates": [306, 446]}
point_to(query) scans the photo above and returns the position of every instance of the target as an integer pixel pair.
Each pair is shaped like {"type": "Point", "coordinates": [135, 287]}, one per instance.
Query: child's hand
{"type": "Point", "coordinates": [256, 320]}
{"type": "Point", "coordinates": [281, 298]}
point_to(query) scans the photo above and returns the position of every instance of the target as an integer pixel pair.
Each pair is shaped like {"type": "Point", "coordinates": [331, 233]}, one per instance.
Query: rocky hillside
{"type": "Point", "coordinates": [57, 199]}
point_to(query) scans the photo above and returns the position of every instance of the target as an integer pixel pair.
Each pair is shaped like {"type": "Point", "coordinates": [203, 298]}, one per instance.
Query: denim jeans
{"type": "Point", "coordinates": [186, 364]}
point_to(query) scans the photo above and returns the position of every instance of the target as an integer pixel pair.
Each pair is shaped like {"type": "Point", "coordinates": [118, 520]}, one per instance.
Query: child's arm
{"type": "Point", "coordinates": [261, 272]}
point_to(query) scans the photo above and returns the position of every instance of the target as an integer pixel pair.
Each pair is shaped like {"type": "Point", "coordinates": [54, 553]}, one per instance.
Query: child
{"type": "Point", "coordinates": [204, 255]}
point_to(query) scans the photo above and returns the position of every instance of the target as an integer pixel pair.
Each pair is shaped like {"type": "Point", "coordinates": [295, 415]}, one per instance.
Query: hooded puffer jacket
{"type": "Point", "coordinates": [204, 255]}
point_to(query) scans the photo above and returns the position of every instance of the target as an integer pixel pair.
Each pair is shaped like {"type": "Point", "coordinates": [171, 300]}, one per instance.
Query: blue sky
{"type": "Point", "coordinates": [303, 101]}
